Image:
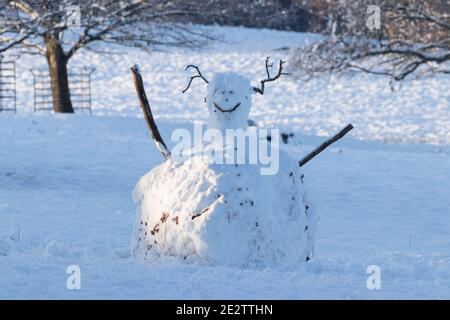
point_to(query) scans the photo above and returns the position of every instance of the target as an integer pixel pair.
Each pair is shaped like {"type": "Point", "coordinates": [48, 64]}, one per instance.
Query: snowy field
{"type": "Point", "coordinates": [383, 192]}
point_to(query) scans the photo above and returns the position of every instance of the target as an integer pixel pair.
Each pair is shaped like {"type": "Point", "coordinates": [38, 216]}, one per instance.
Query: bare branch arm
{"type": "Point", "coordinates": [145, 106]}
{"type": "Point", "coordinates": [324, 145]}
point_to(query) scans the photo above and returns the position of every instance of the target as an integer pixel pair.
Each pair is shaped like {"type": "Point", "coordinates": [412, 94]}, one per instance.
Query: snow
{"type": "Point", "coordinates": [66, 181]}
{"type": "Point", "coordinates": [229, 101]}
{"type": "Point", "coordinates": [418, 113]}
{"type": "Point", "coordinates": [222, 214]}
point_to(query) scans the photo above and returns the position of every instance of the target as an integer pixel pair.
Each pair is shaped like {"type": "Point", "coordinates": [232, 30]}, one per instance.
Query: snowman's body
{"type": "Point", "coordinates": [224, 213]}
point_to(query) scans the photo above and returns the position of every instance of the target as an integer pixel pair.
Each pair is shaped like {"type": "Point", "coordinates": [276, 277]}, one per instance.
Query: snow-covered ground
{"type": "Point", "coordinates": [66, 181]}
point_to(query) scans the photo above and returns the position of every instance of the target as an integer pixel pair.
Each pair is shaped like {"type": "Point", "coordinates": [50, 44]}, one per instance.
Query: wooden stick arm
{"type": "Point", "coordinates": [324, 145]}
{"type": "Point", "coordinates": [145, 106]}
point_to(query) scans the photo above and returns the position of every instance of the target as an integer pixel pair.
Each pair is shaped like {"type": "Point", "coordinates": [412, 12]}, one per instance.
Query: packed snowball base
{"type": "Point", "coordinates": [224, 213]}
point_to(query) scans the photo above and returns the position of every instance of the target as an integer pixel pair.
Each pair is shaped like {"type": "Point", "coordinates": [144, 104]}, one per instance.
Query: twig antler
{"type": "Point", "coordinates": [199, 75]}
{"type": "Point", "coordinates": [145, 106]}
{"type": "Point", "coordinates": [269, 78]}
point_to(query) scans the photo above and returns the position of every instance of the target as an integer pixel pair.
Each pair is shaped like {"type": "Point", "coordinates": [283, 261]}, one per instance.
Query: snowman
{"type": "Point", "coordinates": [222, 213]}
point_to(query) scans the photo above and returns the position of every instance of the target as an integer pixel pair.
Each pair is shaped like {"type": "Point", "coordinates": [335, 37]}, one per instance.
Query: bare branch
{"type": "Point", "coordinates": [145, 106]}
{"type": "Point", "coordinates": [324, 145]}
{"type": "Point", "coordinates": [15, 42]}
{"type": "Point", "coordinates": [137, 23]}
{"type": "Point", "coordinates": [199, 75]}
{"type": "Point", "coordinates": [414, 36]}
{"type": "Point", "coordinates": [269, 78]}
{"type": "Point", "coordinates": [25, 7]}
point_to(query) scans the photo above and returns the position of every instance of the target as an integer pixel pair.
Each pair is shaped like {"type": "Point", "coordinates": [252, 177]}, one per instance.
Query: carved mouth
{"type": "Point", "coordinates": [225, 110]}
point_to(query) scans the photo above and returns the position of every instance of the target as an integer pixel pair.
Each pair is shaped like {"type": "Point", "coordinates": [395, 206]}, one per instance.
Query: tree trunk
{"type": "Point", "coordinates": [57, 64]}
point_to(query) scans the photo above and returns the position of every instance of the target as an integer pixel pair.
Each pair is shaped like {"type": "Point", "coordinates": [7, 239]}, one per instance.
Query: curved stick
{"type": "Point", "coordinates": [145, 106]}
{"type": "Point", "coordinates": [269, 78]}
{"type": "Point", "coordinates": [199, 75]}
{"type": "Point", "coordinates": [324, 145]}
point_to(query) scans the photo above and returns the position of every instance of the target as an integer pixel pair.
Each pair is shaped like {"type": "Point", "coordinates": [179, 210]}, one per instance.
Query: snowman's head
{"type": "Point", "coordinates": [229, 101]}
{"type": "Point", "coordinates": [229, 97]}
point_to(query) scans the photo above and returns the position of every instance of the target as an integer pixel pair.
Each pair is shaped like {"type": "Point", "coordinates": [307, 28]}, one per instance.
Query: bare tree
{"type": "Point", "coordinates": [44, 27]}
{"type": "Point", "coordinates": [412, 34]}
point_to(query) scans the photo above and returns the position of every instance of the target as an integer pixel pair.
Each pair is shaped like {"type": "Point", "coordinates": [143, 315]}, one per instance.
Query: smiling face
{"type": "Point", "coordinates": [229, 101]}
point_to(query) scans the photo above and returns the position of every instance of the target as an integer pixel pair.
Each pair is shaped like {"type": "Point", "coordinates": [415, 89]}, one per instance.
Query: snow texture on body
{"type": "Point", "coordinates": [226, 214]}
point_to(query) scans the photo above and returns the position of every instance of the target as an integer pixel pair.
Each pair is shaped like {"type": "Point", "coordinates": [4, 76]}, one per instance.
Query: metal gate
{"type": "Point", "coordinates": [79, 85]}
{"type": "Point", "coordinates": [8, 100]}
